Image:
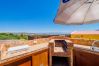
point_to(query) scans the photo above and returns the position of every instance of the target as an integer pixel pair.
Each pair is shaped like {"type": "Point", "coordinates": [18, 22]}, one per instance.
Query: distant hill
{"type": "Point", "coordinates": [9, 36]}
{"type": "Point", "coordinates": [24, 35]}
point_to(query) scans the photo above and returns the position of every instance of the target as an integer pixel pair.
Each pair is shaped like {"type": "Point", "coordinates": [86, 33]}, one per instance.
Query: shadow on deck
{"type": "Point", "coordinates": [60, 61]}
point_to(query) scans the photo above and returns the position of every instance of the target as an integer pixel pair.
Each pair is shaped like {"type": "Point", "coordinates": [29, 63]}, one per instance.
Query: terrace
{"type": "Point", "coordinates": [28, 52]}
{"type": "Point", "coordinates": [79, 49]}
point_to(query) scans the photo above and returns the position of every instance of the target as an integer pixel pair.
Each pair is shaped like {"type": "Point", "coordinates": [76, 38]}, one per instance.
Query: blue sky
{"type": "Point", "coordinates": [34, 16]}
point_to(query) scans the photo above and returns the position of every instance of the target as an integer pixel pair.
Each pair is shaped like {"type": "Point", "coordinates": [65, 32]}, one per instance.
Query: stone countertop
{"type": "Point", "coordinates": [85, 48]}
{"type": "Point", "coordinates": [19, 54]}
{"type": "Point", "coordinates": [82, 46]}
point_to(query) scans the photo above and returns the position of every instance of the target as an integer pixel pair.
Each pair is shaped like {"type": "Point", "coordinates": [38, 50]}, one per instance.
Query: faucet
{"type": "Point", "coordinates": [93, 45]}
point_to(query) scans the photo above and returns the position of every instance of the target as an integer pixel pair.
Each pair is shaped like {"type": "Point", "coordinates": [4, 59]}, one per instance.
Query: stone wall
{"type": "Point", "coordinates": [4, 44]}
{"type": "Point", "coordinates": [82, 41]}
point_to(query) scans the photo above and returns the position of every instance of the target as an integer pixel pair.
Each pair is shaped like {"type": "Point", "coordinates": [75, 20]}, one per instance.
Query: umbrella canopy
{"type": "Point", "coordinates": [78, 12]}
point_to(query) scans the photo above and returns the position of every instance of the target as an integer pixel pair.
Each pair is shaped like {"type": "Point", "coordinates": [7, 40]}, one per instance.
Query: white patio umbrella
{"type": "Point", "coordinates": [78, 12]}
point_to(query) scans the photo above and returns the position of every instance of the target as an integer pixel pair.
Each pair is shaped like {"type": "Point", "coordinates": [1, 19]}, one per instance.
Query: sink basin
{"type": "Point", "coordinates": [96, 49]}
{"type": "Point", "coordinates": [95, 46]}
{"type": "Point", "coordinates": [18, 48]}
